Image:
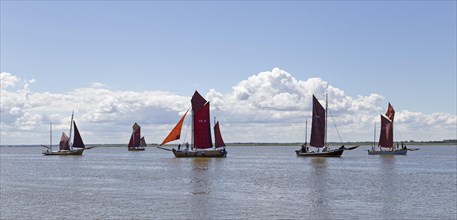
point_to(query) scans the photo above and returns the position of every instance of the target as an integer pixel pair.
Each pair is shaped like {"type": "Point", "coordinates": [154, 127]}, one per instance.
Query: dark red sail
{"type": "Point", "coordinates": [64, 142]}
{"type": "Point", "coordinates": [131, 141]}
{"type": "Point", "coordinates": [202, 128]}
{"type": "Point", "coordinates": [219, 142]}
{"type": "Point", "coordinates": [77, 141]}
{"type": "Point", "coordinates": [143, 142]}
{"type": "Point", "coordinates": [390, 113]}
{"type": "Point", "coordinates": [136, 133]}
{"type": "Point", "coordinates": [197, 102]}
{"type": "Point", "coordinates": [318, 124]}
{"type": "Point", "coordinates": [386, 138]}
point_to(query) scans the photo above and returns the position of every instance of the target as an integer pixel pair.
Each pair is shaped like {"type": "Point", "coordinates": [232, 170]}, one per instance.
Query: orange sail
{"type": "Point", "coordinates": [175, 134]}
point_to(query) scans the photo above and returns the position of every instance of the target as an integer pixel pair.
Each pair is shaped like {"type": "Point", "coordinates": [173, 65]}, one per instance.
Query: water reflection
{"type": "Point", "coordinates": [388, 185]}
{"type": "Point", "coordinates": [319, 186]}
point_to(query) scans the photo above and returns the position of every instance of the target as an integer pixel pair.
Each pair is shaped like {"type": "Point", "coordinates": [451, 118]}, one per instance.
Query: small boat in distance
{"type": "Point", "coordinates": [65, 147]}
{"type": "Point", "coordinates": [386, 138]}
{"type": "Point", "coordinates": [201, 145]}
{"type": "Point", "coordinates": [136, 143]}
{"type": "Point", "coordinates": [319, 135]}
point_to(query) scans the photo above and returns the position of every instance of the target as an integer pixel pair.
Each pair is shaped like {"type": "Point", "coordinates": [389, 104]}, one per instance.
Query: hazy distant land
{"type": "Point", "coordinates": [234, 144]}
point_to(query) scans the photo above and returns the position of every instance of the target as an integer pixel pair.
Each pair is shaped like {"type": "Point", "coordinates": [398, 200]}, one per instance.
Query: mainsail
{"type": "Point", "coordinates": [219, 142]}
{"type": "Point", "coordinates": [318, 125]}
{"type": "Point", "coordinates": [202, 128]}
{"type": "Point", "coordinates": [135, 137]}
{"type": "Point", "coordinates": [386, 137]}
{"type": "Point", "coordinates": [175, 134]}
{"type": "Point", "coordinates": [77, 141]}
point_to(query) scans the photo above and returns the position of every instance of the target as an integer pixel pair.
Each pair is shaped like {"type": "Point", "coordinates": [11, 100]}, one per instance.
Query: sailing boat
{"type": "Point", "coordinates": [65, 148]}
{"type": "Point", "coordinates": [201, 145]}
{"type": "Point", "coordinates": [319, 135]}
{"type": "Point", "coordinates": [386, 137]}
{"type": "Point", "coordinates": [136, 143]}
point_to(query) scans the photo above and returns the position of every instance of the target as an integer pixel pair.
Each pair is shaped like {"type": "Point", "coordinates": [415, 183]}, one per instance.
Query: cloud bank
{"type": "Point", "coordinates": [269, 106]}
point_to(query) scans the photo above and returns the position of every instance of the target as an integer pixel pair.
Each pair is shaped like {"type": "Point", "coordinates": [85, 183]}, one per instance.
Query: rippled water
{"type": "Point", "coordinates": [251, 183]}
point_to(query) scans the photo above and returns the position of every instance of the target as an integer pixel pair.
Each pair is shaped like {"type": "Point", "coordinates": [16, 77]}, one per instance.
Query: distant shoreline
{"type": "Point", "coordinates": [247, 144]}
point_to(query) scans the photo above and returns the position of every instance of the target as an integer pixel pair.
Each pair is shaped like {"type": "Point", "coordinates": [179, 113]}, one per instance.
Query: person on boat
{"type": "Point", "coordinates": [303, 148]}
{"type": "Point", "coordinates": [179, 146]}
{"type": "Point", "coordinates": [187, 146]}
{"type": "Point", "coordinates": [324, 149]}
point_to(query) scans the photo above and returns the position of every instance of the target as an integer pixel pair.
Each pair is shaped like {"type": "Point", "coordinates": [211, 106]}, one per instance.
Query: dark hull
{"type": "Point", "coordinates": [136, 149]}
{"type": "Point", "coordinates": [64, 153]}
{"type": "Point", "coordinates": [200, 153]}
{"type": "Point", "coordinates": [388, 152]}
{"type": "Point", "coordinates": [332, 153]}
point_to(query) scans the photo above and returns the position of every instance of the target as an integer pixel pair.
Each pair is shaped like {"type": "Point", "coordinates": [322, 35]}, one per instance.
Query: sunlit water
{"type": "Point", "coordinates": [251, 183]}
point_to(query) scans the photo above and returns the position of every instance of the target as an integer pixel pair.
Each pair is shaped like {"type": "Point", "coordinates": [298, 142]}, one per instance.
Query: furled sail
{"type": "Point", "coordinates": [219, 142]}
{"type": "Point", "coordinates": [64, 142]}
{"type": "Point", "coordinates": [175, 134]}
{"type": "Point", "coordinates": [318, 125]}
{"type": "Point", "coordinates": [386, 138]}
{"type": "Point", "coordinates": [202, 128]}
{"type": "Point", "coordinates": [77, 141]}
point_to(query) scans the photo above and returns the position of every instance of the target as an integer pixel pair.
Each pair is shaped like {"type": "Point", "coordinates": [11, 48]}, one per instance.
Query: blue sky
{"type": "Point", "coordinates": [404, 51]}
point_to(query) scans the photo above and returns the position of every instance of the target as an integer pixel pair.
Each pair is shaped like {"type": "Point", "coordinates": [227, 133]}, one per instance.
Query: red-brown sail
{"type": "Point", "coordinates": [64, 142]}
{"type": "Point", "coordinates": [386, 138]}
{"type": "Point", "coordinates": [131, 141]}
{"type": "Point", "coordinates": [390, 113]}
{"type": "Point", "coordinates": [175, 134]}
{"type": "Point", "coordinates": [219, 142]}
{"type": "Point", "coordinates": [197, 102]}
{"type": "Point", "coordinates": [136, 135]}
{"type": "Point", "coordinates": [142, 142]}
{"type": "Point", "coordinates": [202, 128]}
{"type": "Point", "coordinates": [318, 124]}
{"type": "Point", "coordinates": [77, 141]}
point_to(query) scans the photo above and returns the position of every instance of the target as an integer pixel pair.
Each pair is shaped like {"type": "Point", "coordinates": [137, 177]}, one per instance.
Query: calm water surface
{"type": "Point", "coordinates": [251, 183]}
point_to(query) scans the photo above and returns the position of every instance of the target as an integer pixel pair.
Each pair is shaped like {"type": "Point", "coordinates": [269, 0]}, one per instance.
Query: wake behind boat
{"type": "Point", "coordinates": [201, 145]}
{"type": "Point", "coordinates": [319, 135]}
{"type": "Point", "coordinates": [65, 147]}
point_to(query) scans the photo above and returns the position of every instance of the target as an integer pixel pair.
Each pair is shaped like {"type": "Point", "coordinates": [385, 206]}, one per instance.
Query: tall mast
{"type": "Point", "coordinates": [374, 137]}
{"type": "Point", "coordinates": [71, 126]}
{"type": "Point", "coordinates": [326, 113]}
{"type": "Point", "coordinates": [50, 135]}
{"type": "Point", "coordinates": [193, 131]}
{"type": "Point", "coordinates": [306, 131]}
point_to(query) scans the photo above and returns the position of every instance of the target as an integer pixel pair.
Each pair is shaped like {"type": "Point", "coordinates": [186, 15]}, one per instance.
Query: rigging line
{"type": "Point", "coordinates": [187, 128]}
{"type": "Point", "coordinates": [334, 124]}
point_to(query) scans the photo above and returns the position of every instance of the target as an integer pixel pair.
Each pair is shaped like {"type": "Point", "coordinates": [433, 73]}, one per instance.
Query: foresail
{"type": "Point", "coordinates": [142, 142]}
{"type": "Point", "coordinates": [131, 141]}
{"type": "Point", "coordinates": [64, 142]}
{"type": "Point", "coordinates": [175, 134]}
{"type": "Point", "coordinates": [77, 141]}
{"type": "Point", "coordinates": [386, 137]}
{"type": "Point", "coordinates": [318, 124]}
{"type": "Point", "coordinates": [219, 142]}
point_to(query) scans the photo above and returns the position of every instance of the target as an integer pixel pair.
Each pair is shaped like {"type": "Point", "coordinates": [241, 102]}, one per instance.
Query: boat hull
{"type": "Point", "coordinates": [200, 153]}
{"type": "Point", "coordinates": [64, 153]}
{"type": "Point", "coordinates": [136, 149]}
{"type": "Point", "coordinates": [332, 153]}
{"type": "Point", "coordinates": [388, 152]}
